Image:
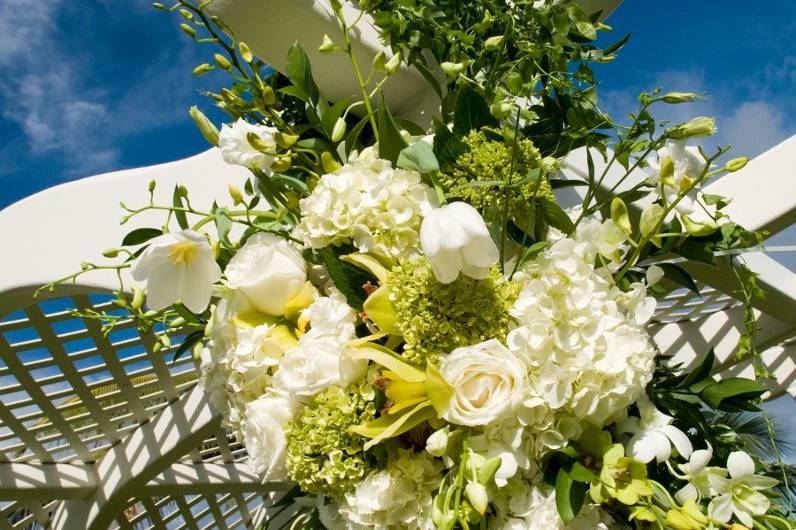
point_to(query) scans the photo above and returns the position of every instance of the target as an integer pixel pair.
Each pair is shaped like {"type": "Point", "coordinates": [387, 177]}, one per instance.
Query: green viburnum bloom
{"type": "Point", "coordinates": [621, 477]}
{"type": "Point", "coordinates": [491, 160]}
{"type": "Point", "coordinates": [437, 318]}
{"type": "Point", "coordinates": [323, 455]}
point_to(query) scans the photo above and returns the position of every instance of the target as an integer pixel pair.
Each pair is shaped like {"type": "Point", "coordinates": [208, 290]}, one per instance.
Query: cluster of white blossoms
{"type": "Point", "coordinates": [233, 141]}
{"type": "Point", "coordinates": [533, 507]}
{"type": "Point", "coordinates": [581, 338]}
{"type": "Point", "coordinates": [378, 208]}
{"type": "Point", "coordinates": [398, 497]}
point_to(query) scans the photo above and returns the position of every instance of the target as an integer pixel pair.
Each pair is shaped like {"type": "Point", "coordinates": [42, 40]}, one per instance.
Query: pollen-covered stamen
{"type": "Point", "coordinates": [183, 253]}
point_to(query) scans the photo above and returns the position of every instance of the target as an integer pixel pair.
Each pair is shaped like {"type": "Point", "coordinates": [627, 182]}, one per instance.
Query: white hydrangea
{"type": "Point", "coordinates": [366, 201]}
{"type": "Point", "coordinates": [240, 358]}
{"type": "Point", "coordinates": [588, 355]}
{"type": "Point", "coordinates": [532, 508]}
{"type": "Point", "coordinates": [397, 498]}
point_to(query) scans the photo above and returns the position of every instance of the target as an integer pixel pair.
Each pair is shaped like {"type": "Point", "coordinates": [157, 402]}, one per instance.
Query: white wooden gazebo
{"type": "Point", "coordinates": [101, 432]}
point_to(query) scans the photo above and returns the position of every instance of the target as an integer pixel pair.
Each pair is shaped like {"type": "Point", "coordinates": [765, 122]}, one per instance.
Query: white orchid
{"type": "Point", "coordinates": [739, 494]}
{"type": "Point", "coordinates": [178, 266]}
{"type": "Point", "coordinates": [654, 434]}
{"type": "Point", "coordinates": [455, 239]}
{"type": "Point", "coordinates": [687, 164]}
{"type": "Point", "coordinates": [698, 474]}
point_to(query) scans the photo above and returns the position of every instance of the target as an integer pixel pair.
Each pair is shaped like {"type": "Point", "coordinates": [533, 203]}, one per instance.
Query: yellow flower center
{"type": "Point", "coordinates": [183, 253]}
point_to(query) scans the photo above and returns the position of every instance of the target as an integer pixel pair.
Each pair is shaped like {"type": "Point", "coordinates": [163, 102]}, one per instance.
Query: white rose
{"type": "Point", "coordinates": [178, 266]}
{"type": "Point", "coordinates": [236, 149]}
{"type": "Point", "coordinates": [488, 381]}
{"type": "Point", "coordinates": [263, 435]}
{"type": "Point", "coordinates": [269, 271]}
{"type": "Point", "coordinates": [455, 239]}
{"type": "Point", "coordinates": [320, 359]}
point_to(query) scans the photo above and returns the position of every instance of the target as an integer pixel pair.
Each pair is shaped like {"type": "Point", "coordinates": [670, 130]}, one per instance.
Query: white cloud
{"type": "Point", "coordinates": [752, 128]}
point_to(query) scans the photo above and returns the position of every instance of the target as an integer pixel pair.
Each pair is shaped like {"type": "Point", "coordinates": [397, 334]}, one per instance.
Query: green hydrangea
{"type": "Point", "coordinates": [437, 318]}
{"type": "Point", "coordinates": [491, 160]}
{"type": "Point", "coordinates": [323, 455]}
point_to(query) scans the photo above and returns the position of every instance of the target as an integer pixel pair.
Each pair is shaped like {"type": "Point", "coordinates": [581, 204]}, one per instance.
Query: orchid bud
{"type": "Point", "coordinates": [478, 496]}
{"type": "Point", "coordinates": [327, 45]}
{"type": "Point", "coordinates": [329, 164]}
{"type": "Point", "coordinates": [452, 69]}
{"type": "Point", "coordinates": [111, 252]}
{"type": "Point", "coordinates": [205, 126]}
{"type": "Point", "coordinates": [245, 52]}
{"type": "Point", "coordinates": [268, 95]}
{"type": "Point", "coordinates": [339, 130]}
{"type": "Point", "coordinates": [235, 193]}
{"type": "Point", "coordinates": [701, 126]}
{"type": "Point", "coordinates": [222, 62]}
{"type": "Point", "coordinates": [679, 97]}
{"type": "Point", "coordinates": [736, 164]}
{"type": "Point", "coordinates": [202, 69]}
{"type": "Point", "coordinates": [189, 30]}
{"type": "Point", "coordinates": [494, 43]}
{"type": "Point", "coordinates": [437, 443]}
{"type": "Point", "coordinates": [285, 141]}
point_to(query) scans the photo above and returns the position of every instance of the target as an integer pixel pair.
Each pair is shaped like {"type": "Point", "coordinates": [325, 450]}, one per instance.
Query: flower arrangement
{"type": "Point", "coordinates": [404, 323]}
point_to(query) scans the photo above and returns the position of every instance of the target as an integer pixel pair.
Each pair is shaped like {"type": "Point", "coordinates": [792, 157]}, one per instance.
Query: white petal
{"type": "Point", "coordinates": [686, 493]}
{"type": "Point", "coordinates": [700, 459]}
{"type": "Point", "coordinates": [642, 447]}
{"type": "Point", "coordinates": [476, 273]}
{"type": "Point", "coordinates": [469, 218]}
{"type": "Point", "coordinates": [679, 439]}
{"type": "Point", "coordinates": [740, 465]}
{"type": "Point", "coordinates": [430, 235]}
{"type": "Point", "coordinates": [480, 251]}
{"type": "Point", "coordinates": [446, 265]}
{"type": "Point", "coordinates": [721, 508]}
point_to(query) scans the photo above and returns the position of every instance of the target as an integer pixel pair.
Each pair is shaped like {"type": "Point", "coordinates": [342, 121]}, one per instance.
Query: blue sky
{"type": "Point", "coordinates": [89, 87]}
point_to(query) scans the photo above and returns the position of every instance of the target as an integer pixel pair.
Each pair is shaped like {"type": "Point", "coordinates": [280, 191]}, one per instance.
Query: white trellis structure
{"type": "Point", "coordinates": [101, 432]}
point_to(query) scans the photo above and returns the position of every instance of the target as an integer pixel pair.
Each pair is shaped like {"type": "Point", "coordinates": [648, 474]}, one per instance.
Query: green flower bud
{"type": "Point", "coordinates": [158, 5]}
{"type": "Point", "coordinates": [282, 163]}
{"type": "Point", "coordinates": [736, 164]}
{"type": "Point", "coordinates": [701, 126]}
{"type": "Point", "coordinates": [258, 143]}
{"type": "Point", "coordinates": [392, 65]}
{"type": "Point", "coordinates": [222, 62]}
{"type": "Point", "coordinates": [182, 191]}
{"type": "Point", "coordinates": [679, 97]}
{"type": "Point", "coordinates": [649, 222]}
{"type": "Point", "coordinates": [329, 164]}
{"type": "Point", "coordinates": [268, 95]}
{"type": "Point", "coordinates": [236, 195]}
{"type": "Point", "coordinates": [699, 228]}
{"type": "Point", "coordinates": [620, 216]}
{"type": "Point", "coordinates": [202, 69]}
{"type": "Point", "coordinates": [339, 130]}
{"type": "Point", "coordinates": [514, 82]}
{"type": "Point", "coordinates": [667, 172]}
{"type": "Point", "coordinates": [487, 472]}
{"type": "Point", "coordinates": [285, 141]}
{"type": "Point", "coordinates": [500, 109]}
{"type": "Point", "coordinates": [452, 69]}
{"type": "Point", "coordinates": [494, 43]}
{"type": "Point", "coordinates": [379, 61]}
{"type": "Point", "coordinates": [165, 340]}
{"type": "Point", "coordinates": [190, 31]}
{"type": "Point", "coordinates": [187, 15]}
{"type": "Point", "coordinates": [478, 496]}
{"type": "Point", "coordinates": [327, 45]}
{"type": "Point", "coordinates": [111, 252]}
{"type": "Point", "coordinates": [206, 127]}
{"type": "Point", "coordinates": [138, 298]}
{"type": "Point", "coordinates": [245, 52]}
{"type": "Point", "coordinates": [152, 184]}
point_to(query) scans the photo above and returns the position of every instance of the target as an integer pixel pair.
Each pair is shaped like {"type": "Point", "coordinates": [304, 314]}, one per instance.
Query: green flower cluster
{"type": "Point", "coordinates": [437, 318]}
{"type": "Point", "coordinates": [323, 455]}
{"type": "Point", "coordinates": [490, 160]}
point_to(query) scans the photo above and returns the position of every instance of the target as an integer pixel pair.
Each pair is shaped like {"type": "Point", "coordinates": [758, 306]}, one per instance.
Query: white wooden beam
{"type": "Point", "coordinates": [208, 478]}
{"type": "Point", "coordinates": [44, 482]}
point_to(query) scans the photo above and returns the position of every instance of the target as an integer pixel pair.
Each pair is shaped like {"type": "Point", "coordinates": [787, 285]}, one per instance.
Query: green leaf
{"type": "Point", "coordinates": [176, 200]}
{"type": "Point", "coordinates": [330, 116]}
{"type": "Point", "coordinates": [186, 313]}
{"type": "Point", "coordinates": [569, 496]}
{"type": "Point", "coordinates": [188, 343]}
{"type": "Point", "coordinates": [581, 473]}
{"type": "Point", "coordinates": [223, 224]}
{"type": "Point", "coordinates": [679, 276]}
{"type": "Point", "coordinates": [446, 145]}
{"type": "Point", "coordinates": [353, 135]}
{"type": "Point", "coordinates": [701, 372]}
{"type": "Point", "coordinates": [618, 45]}
{"type": "Point", "coordinates": [566, 183]}
{"type": "Point", "coordinates": [555, 216]}
{"type": "Point", "coordinates": [391, 425]}
{"type": "Point", "coordinates": [471, 112]}
{"type": "Point", "coordinates": [299, 72]}
{"type": "Point", "coordinates": [386, 358]}
{"type": "Point", "coordinates": [348, 279]}
{"type": "Point", "coordinates": [140, 235]}
{"type": "Point", "coordinates": [391, 143]}
{"type": "Point", "coordinates": [418, 157]}
{"type": "Point", "coordinates": [733, 388]}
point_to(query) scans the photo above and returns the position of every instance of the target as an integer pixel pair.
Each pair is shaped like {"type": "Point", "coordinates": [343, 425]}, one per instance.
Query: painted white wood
{"type": "Point", "coordinates": [23, 482]}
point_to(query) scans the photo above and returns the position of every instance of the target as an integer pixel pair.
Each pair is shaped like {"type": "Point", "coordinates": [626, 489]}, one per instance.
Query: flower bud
{"type": "Point", "coordinates": [392, 65]}
{"type": "Point", "coordinates": [650, 221]}
{"type": "Point", "coordinates": [699, 228]}
{"type": "Point", "coordinates": [494, 43]}
{"type": "Point", "coordinates": [701, 126]}
{"type": "Point", "coordinates": [259, 144]}
{"type": "Point", "coordinates": [500, 109]}
{"type": "Point", "coordinates": [437, 443]}
{"type": "Point", "coordinates": [452, 69]}
{"type": "Point", "coordinates": [222, 61]}
{"type": "Point", "coordinates": [327, 45]}
{"type": "Point", "coordinates": [285, 141]}
{"type": "Point", "coordinates": [620, 216]}
{"type": "Point", "coordinates": [329, 164]}
{"type": "Point", "coordinates": [268, 95]}
{"type": "Point", "coordinates": [202, 69]}
{"type": "Point", "coordinates": [478, 496]}
{"type": "Point", "coordinates": [679, 97]}
{"type": "Point", "coordinates": [165, 340]}
{"type": "Point", "coordinates": [188, 29]}
{"type": "Point", "coordinates": [736, 164]}
{"type": "Point", "coordinates": [339, 130]}
{"type": "Point", "coordinates": [281, 163]}
{"type": "Point", "coordinates": [187, 15]}
{"type": "Point", "coordinates": [245, 52]}
{"type": "Point", "coordinates": [152, 184]}
{"type": "Point", "coordinates": [206, 127]}
{"type": "Point", "coordinates": [235, 193]}
{"type": "Point", "coordinates": [111, 252]}
{"type": "Point", "coordinates": [182, 190]}
{"type": "Point", "coordinates": [158, 5]}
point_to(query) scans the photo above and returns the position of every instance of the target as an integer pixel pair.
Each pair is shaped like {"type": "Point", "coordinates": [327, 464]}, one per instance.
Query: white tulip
{"type": "Point", "coordinates": [269, 271]}
{"type": "Point", "coordinates": [263, 434]}
{"type": "Point", "coordinates": [236, 148]}
{"type": "Point", "coordinates": [455, 239]}
{"type": "Point", "coordinates": [178, 266]}
{"type": "Point", "coordinates": [488, 382]}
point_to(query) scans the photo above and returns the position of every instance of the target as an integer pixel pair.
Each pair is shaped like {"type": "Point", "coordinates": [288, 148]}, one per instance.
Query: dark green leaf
{"type": "Point", "coordinates": [679, 276]}
{"type": "Point", "coordinates": [347, 278]}
{"type": "Point", "coordinates": [701, 372]}
{"type": "Point", "coordinates": [735, 388]}
{"type": "Point", "coordinates": [569, 496]}
{"type": "Point", "coordinates": [566, 183]}
{"type": "Point", "coordinates": [418, 157]}
{"type": "Point", "coordinates": [555, 216]}
{"type": "Point", "coordinates": [299, 72]}
{"type": "Point", "coordinates": [471, 112]}
{"type": "Point", "coordinates": [390, 140]}
{"type": "Point", "coordinates": [581, 473]}
{"type": "Point", "coordinates": [618, 45]}
{"type": "Point", "coordinates": [409, 126]}
{"type": "Point", "coordinates": [188, 343]}
{"type": "Point", "coordinates": [186, 313]}
{"type": "Point", "coordinates": [446, 145]}
{"type": "Point", "coordinates": [176, 200]}
{"type": "Point", "coordinates": [140, 235]}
